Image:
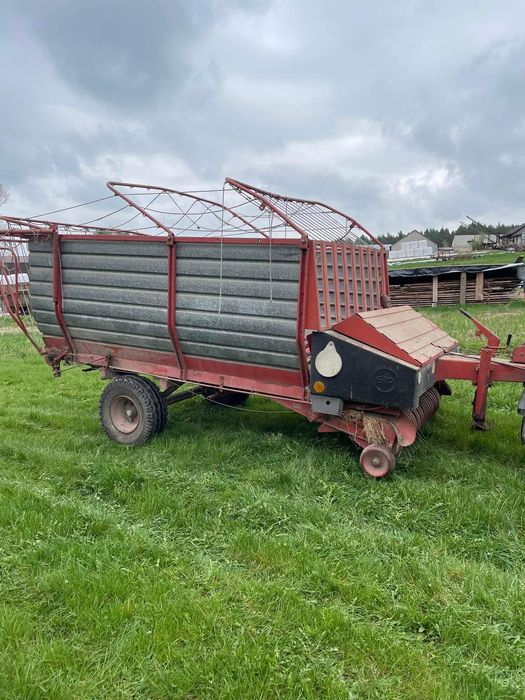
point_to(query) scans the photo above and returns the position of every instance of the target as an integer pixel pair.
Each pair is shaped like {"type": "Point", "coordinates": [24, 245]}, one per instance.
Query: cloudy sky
{"type": "Point", "coordinates": [405, 114]}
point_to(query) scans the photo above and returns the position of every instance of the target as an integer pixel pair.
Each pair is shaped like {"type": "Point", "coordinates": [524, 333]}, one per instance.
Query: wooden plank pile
{"type": "Point", "coordinates": [449, 289]}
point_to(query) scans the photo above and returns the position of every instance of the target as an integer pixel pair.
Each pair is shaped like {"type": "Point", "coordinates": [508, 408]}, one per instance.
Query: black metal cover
{"type": "Point", "coordinates": [369, 376]}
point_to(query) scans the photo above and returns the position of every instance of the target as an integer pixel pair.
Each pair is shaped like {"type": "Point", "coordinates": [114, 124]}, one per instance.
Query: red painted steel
{"type": "Point", "coordinates": [326, 285]}
{"type": "Point", "coordinates": [57, 290]}
{"type": "Point", "coordinates": [400, 332]}
{"type": "Point", "coordinates": [10, 295]}
{"type": "Point", "coordinates": [369, 278]}
{"type": "Point", "coordinates": [518, 354]}
{"type": "Point", "coordinates": [397, 429]}
{"type": "Point", "coordinates": [172, 305]}
{"type": "Point", "coordinates": [362, 280]}
{"type": "Point", "coordinates": [346, 282]}
{"type": "Point", "coordinates": [267, 381]}
{"type": "Point", "coordinates": [337, 290]}
{"type": "Point", "coordinates": [300, 336]}
{"type": "Point", "coordinates": [45, 227]}
{"type": "Point", "coordinates": [355, 305]}
{"type": "Point", "coordinates": [113, 186]}
{"type": "Point", "coordinates": [375, 280]}
{"type": "Point", "coordinates": [264, 195]}
{"type": "Point", "coordinates": [482, 370]}
{"type": "Point", "coordinates": [459, 366]}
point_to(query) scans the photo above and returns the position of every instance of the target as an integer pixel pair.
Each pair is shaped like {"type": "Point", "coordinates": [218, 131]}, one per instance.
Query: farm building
{"type": "Point", "coordinates": [413, 245]}
{"type": "Point", "coordinates": [514, 238]}
{"type": "Point", "coordinates": [462, 242]}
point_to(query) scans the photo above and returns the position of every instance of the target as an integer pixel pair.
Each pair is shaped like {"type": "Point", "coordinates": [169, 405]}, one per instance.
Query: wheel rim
{"type": "Point", "coordinates": [377, 460]}
{"type": "Point", "coordinates": [125, 414]}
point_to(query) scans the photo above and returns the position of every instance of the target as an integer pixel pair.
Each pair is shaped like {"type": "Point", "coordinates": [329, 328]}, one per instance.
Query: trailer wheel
{"type": "Point", "coordinates": [129, 410]}
{"type": "Point", "coordinates": [377, 461]}
{"type": "Point", "coordinates": [162, 408]}
{"type": "Point", "coordinates": [523, 430]}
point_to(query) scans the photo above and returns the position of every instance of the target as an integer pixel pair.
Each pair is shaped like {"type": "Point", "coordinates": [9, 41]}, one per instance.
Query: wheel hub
{"type": "Point", "coordinates": [124, 414]}
{"type": "Point", "coordinates": [377, 460]}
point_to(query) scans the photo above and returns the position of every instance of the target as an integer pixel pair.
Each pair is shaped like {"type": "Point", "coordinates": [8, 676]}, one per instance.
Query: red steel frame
{"type": "Point", "coordinates": [482, 371]}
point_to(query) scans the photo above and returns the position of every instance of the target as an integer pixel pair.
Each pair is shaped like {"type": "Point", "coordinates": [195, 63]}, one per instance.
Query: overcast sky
{"type": "Point", "coordinates": [404, 114]}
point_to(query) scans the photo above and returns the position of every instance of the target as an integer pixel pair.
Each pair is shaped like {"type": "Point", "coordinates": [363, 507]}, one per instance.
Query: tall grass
{"type": "Point", "coordinates": [243, 555]}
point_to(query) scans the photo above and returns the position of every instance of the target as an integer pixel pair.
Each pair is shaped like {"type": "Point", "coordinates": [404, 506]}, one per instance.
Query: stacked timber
{"type": "Point", "coordinates": [490, 286]}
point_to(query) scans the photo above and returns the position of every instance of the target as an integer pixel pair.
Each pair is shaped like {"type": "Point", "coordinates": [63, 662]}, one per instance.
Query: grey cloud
{"type": "Point", "coordinates": [403, 115]}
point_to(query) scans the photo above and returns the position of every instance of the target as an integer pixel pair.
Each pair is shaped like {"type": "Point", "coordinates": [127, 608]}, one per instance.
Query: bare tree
{"type": "Point", "coordinates": [4, 194]}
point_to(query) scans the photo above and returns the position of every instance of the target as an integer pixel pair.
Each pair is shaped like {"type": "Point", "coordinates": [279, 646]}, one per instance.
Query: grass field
{"type": "Point", "coordinates": [242, 555]}
{"type": "Point", "coordinates": [492, 258]}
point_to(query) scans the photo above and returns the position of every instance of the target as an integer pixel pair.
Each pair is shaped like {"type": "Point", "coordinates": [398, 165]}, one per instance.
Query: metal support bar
{"type": "Point", "coordinates": [57, 290]}
{"type": "Point", "coordinates": [188, 394]}
{"type": "Point", "coordinates": [482, 370]}
{"type": "Point", "coordinates": [306, 254]}
{"type": "Point", "coordinates": [11, 296]}
{"type": "Point", "coordinates": [172, 304]}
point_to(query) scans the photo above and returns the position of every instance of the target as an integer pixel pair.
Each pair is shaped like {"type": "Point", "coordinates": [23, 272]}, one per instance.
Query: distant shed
{"type": "Point", "coordinates": [515, 237]}
{"type": "Point", "coordinates": [463, 242]}
{"type": "Point", "coordinates": [413, 245]}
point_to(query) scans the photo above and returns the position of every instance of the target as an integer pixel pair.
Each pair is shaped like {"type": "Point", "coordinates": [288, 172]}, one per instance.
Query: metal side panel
{"type": "Point", "coordinates": [110, 293]}
{"type": "Point", "coordinates": [238, 269]}
{"type": "Point", "coordinates": [262, 289]}
{"type": "Point", "coordinates": [121, 296]}
{"type": "Point", "coordinates": [255, 357]}
{"type": "Point", "coordinates": [99, 261]}
{"type": "Point", "coordinates": [240, 324]}
{"type": "Point", "coordinates": [264, 252]}
{"type": "Point", "coordinates": [125, 249]}
{"type": "Point", "coordinates": [239, 302]}
{"type": "Point", "coordinates": [110, 338]}
{"type": "Point", "coordinates": [234, 302]}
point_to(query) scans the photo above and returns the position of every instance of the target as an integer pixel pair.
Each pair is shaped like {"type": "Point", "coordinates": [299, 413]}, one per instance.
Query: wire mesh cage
{"type": "Point", "coordinates": [235, 210]}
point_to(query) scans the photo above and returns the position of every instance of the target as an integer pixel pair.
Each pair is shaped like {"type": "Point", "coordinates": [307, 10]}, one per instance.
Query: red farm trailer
{"type": "Point", "coordinates": [174, 294]}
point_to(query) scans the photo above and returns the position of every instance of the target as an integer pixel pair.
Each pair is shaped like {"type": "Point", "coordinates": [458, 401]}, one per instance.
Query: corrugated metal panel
{"type": "Point", "coordinates": [247, 292]}
{"type": "Point", "coordinates": [113, 292]}
{"type": "Point", "coordinates": [234, 302]}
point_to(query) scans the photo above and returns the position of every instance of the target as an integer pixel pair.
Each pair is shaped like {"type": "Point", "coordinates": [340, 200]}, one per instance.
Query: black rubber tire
{"type": "Point", "coordinates": [139, 394]}
{"type": "Point", "coordinates": [228, 398]}
{"type": "Point", "coordinates": [523, 430]}
{"type": "Point", "coordinates": [163, 409]}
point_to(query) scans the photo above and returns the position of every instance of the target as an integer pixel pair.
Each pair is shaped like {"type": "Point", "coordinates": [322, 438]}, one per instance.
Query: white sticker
{"type": "Point", "coordinates": [328, 362]}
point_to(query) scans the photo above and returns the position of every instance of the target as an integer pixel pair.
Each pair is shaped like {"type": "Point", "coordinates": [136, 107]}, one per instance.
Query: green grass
{"type": "Point", "coordinates": [493, 258]}
{"type": "Point", "coordinates": [242, 555]}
